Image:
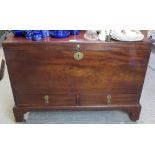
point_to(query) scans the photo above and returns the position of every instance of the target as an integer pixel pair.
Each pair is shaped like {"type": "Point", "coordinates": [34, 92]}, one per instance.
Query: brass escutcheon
{"type": "Point", "coordinates": [78, 56]}
{"type": "Point", "coordinates": [109, 99]}
{"type": "Point", "coordinates": [46, 99]}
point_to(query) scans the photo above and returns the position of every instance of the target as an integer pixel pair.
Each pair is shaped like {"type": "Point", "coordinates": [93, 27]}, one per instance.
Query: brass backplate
{"type": "Point", "coordinates": [109, 99]}
{"type": "Point", "coordinates": [46, 99]}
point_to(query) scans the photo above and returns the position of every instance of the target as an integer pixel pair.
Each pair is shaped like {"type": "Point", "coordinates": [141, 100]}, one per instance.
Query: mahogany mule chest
{"type": "Point", "coordinates": [58, 74]}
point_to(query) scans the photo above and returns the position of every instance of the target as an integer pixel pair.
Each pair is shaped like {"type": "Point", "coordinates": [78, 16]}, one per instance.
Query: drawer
{"type": "Point", "coordinates": [93, 99]}
{"type": "Point", "coordinates": [47, 99]}
{"type": "Point", "coordinates": [122, 99]}
{"type": "Point", "coordinates": [109, 99]}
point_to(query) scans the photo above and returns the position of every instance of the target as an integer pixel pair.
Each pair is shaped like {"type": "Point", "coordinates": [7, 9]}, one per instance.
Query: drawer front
{"type": "Point", "coordinates": [109, 99]}
{"type": "Point", "coordinates": [82, 100]}
{"type": "Point", "coordinates": [47, 100]}
{"type": "Point", "coordinates": [92, 100]}
{"type": "Point", "coordinates": [123, 99]}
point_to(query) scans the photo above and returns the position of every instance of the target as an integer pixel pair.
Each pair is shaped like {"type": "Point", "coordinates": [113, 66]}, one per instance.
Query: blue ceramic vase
{"type": "Point", "coordinates": [18, 33]}
{"type": "Point", "coordinates": [39, 34]}
{"type": "Point", "coordinates": [45, 33]}
{"type": "Point", "coordinates": [59, 33]}
{"type": "Point", "coordinates": [74, 32]}
{"type": "Point", "coordinates": [33, 35]}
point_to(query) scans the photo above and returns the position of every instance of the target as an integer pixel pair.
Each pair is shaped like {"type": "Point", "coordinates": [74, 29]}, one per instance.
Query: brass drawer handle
{"type": "Point", "coordinates": [109, 99]}
{"type": "Point", "coordinates": [46, 99]}
{"type": "Point", "coordinates": [78, 56]}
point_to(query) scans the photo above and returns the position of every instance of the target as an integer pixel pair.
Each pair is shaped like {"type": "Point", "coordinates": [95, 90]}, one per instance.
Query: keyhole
{"type": "Point", "coordinates": [78, 56]}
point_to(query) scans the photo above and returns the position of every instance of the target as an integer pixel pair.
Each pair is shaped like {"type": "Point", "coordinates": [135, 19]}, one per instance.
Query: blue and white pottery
{"type": "Point", "coordinates": [59, 33]}
{"type": "Point", "coordinates": [18, 33]}
{"type": "Point", "coordinates": [74, 32]}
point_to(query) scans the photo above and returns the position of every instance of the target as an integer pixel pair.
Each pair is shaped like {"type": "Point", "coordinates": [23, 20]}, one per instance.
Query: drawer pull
{"type": "Point", "coordinates": [78, 56]}
{"type": "Point", "coordinates": [46, 99]}
{"type": "Point", "coordinates": [109, 99]}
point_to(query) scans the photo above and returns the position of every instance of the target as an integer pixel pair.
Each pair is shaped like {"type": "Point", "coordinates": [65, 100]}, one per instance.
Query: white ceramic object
{"type": "Point", "coordinates": [91, 35]}
{"type": "Point", "coordinates": [127, 35]}
{"type": "Point", "coordinates": [151, 35]}
{"type": "Point", "coordinates": [102, 35]}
